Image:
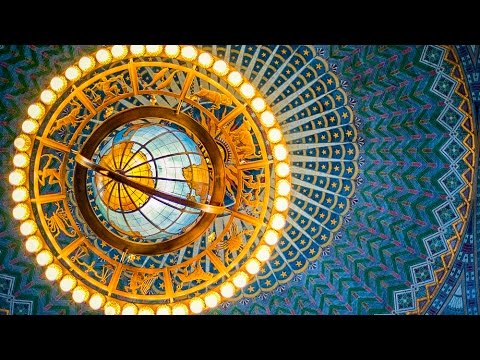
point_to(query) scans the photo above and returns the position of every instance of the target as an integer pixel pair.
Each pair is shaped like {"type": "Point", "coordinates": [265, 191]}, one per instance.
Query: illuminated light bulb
{"type": "Point", "coordinates": [58, 84]}
{"type": "Point", "coordinates": [80, 294]}
{"type": "Point", "coordinates": [103, 56]}
{"type": "Point", "coordinates": [196, 305]}
{"type": "Point", "coordinates": [247, 90]}
{"type": "Point", "coordinates": [220, 67]}
{"type": "Point", "coordinates": [212, 299]}
{"type": "Point", "coordinates": [280, 152]}
{"type": "Point", "coordinates": [129, 309]}
{"type": "Point", "coordinates": [164, 310]}
{"type": "Point", "coordinates": [53, 272]}
{"type": "Point", "coordinates": [17, 177]}
{"type": "Point", "coordinates": [119, 51]}
{"type": "Point", "coordinates": [44, 257]}
{"type": "Point", "coordinates": [280, 204]}
{"type": "Point", "coordinates": [172, 51]}
{"type": "Point", "coordinates": [146, 310]}
{"type": "Point", "coordinates": [111, 308]}
{"type": "Point", "coordinates": [154, 49]}
{"type": "Point", "coordinates": [283, 187]}
{"type": "Point", "coordinates": [67, 283]}
{"type": "Point", "coordinates": [20, 194]}
{"type": "Point", "coordinates": [267, 119]}
{"type": "Point", "coordinates": [48, 97]}
{"type": "Point", "coordinates": [205, 60]}
{"type": "Point", "coordinates": [227, 290]}
{"type": "Point", "coordinates": [240, 279]}
{"type": "Point", "coordinates": [21, 212]}
{"type": "Point", "coordinates": [33, 244]}
{"type": "Point", "coordinates": [30, 126]}
{"type": "Point", "coordinates": [22, 142]}
{"type": "Point", "coordinates": [252, 266]}
{"type": "Point", "coordinates": [96, 301]}
{"type": "Point", "coordinates": [73, 73]}
{"type": "Point", "coordinates": [86, 63]}
{"type": "Point", "coordinates": [180, 309]}
{"type": "Point", "coordinates": [137, 50]}
{"type": "Point", "coordinates": [36, 111]}
{"type": "Point", "coordinates": [270, 237]}
{"type": "Point", "coordinates": [28, 227]}
{"type": "Point", "coordinates": [278, 221]}
{"type": "Point", "coordinates": [258, 104]}
{"type": "Point", "coordinates": [21, 160]}
{"type": "Point", "coordinates": [274, 135]}
{"type": "Point", "coordinates": [235, 78]}
{"type": "Point", "coordinates": [189, 53]}
{"type": "Point", "coordinates": [263, 253]}
{"type": "Point", "coordinates": [282, 169]}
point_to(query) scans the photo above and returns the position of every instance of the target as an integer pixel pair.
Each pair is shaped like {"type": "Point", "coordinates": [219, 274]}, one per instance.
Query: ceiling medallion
{"type": "Point", "coordinates": [143, 176]}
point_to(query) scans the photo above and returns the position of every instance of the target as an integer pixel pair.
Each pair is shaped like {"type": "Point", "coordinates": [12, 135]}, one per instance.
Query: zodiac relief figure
{"type": "Point", "coordinates": [52, 175]}
{"type": "Point", "coordinates": [109, 86]}
{"type": "Point", "coordinates": [243, 140]}
{"type": "Point", "coordinates": [58, 222]}
{"type": "Point", "coordinates": [69, 119]}
{"type": "Point", "coordinates": [251, 198]}
{"type": "Point", "coordinates": [160, 76]}
{"type": "Point", "coordinates": [215, 97]}
{"type": "Point", "coordinates": [197, 273]}
{"type": "Point", "coordinates": [233, 243]}
{"type": "Point", "coordinates": [141, 281]}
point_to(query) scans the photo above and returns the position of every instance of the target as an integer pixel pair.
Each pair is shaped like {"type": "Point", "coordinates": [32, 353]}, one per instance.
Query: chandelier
{"type": "Point", "coordinates": [151, 179]}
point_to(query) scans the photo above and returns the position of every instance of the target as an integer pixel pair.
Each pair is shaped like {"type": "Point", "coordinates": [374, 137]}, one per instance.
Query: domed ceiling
{"type": "Point", "coordinates": [383, 146]}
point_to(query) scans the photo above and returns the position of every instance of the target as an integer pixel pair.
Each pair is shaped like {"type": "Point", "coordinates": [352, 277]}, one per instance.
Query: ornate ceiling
{"type": "Point", "coordinates": [383, 144]}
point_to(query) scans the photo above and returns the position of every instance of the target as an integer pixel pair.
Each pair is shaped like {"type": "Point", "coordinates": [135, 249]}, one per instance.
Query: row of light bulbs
{"type": "Point", "coordinates": [21, 160]}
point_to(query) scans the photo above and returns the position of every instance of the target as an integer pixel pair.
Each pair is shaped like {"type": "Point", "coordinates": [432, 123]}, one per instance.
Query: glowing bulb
{"type": "Point", "coordinates": [154, 49]}
{"type": "Point", "coordinates": [96, 301]}
{"type": "Point", "coordinates": [36, 111]}
{"type": "Point", "coordinates": [172, 51]}
{"type": "Point", "coordinates": [252, 266]}
{"type": "Point", "coordinates": [112, 308]}
{"type": "Point", "coordinates": [267, 119]}
{"type": "Point", "coordinates": [73, 73]}
{"type": "Point", "coordinates": [86, 64]}
{"type": "Point", "coordinates": [103, 56]}
{"type": "Point", "coordinates": [196, 305]}
{"type": "Point", "coordinates": [44, 257]}
{"type": "Point", "coordinates": [21, 160]}
{"type": "Point", "coordinates": [180, 309]}
{"type": "Point", "coordinates": [48, 97]}
{"type": "Point", "coordinates": [33, 244]}
{"type": "Point", "coordinates": [22, 142]}
{"type": "Point", "coordinates": [20, 194]}
{"type": "Point", "coordinates": [58, 84]}
{"type": "Point", "coordinates": [21, 212]}
{"type": "Point", "coordinates": [278, 221]}
{"type": "Point", "coordinates": [235, 78]}
{"type": "Point", "coordinates": [205, 60]}
{"type": "Point", "coordinates": [67, 283]}
{"type": "Point", "coordinates": [280, 204]}
{"type": "Point", "coordinates": [270, 237]}
{"type": "Point", "coordinates": [164, 310]}
{"type": "Point", "coordinates": [247, 90]}
{"type": "Point", "coordinates": [80, 294]}
{"type": "Point", "coordinates": [283, 187]}
{"type": "Point", "coordinates": [146, 310]}
{"type": "Point", "coordinates": [274, 135]}
{"type": "Point", "coordinates": [119, 51]}
{"type": "Point", "coordinates": [263, 253]}
{"type": "Point", "coordinates": [30, 126]}
{"type": "Point", "coordinates": [280, 152]}
{"type": "Point", "coordinates": [212, 299]}
{"type": "Point", "coordinates": [137, 50]}
{"type": "Point", "coordinates": [28, 227]}
{"type": "Point", "coordinates": [129, 309]}
{"type": "Point", "coordinates": [53, 272]}
{"type": "Point", "coordinates": [17, 177]}
{"type": "Point", "coordinates": [240, 279]}
{"type": "Point", "coordinates": [258, 104]}
{"type": "Point", "coordinates": [189, 53]}
{"type": "Point", "coordinates": [227, 290]}
{"type": "Point", "coordinates": [282, 169]}
{"type": "Point", "coordinates": [220, 67]}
